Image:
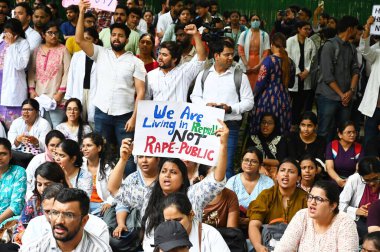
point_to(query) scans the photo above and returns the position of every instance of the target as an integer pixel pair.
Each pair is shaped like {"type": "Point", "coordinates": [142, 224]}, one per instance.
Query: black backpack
{"type": "Point", "coordinates": [234, 238]}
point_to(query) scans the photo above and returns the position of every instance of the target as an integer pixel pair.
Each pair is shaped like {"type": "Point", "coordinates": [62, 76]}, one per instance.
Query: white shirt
{"type": "Point", "coordinates": [143, 26]}
{"type": "Point", "coordinates": [221, 88]}
{"type": "Point", "coordinates": [14, 87]}
{"type": "Point", "coordinates": [293, 49]}
{"type": "Point", "coordinates": [75, 78]}
{"type": "Point", "coordinates": [39, 227]}
{"type": "Point", "coordinates": [33, 37]}
{"type": "Point", "coordinates": [174, 85]}
{"type": "Point", "coordinates": [39, 130]}
{"type": "Point", "coordinates": [115, 90]}
{"type": "Point", "coordinates": [164, 21]}
{"type": "Point", "coordinates": [212, 240]}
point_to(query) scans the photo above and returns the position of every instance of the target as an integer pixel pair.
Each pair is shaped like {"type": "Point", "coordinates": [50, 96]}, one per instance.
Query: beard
{"type": "Point", "coordinates": [166, 66]}
{"type": "Point", "coordinates": [118, 48]}
{"type": "Point", "coordinates": [69, 236]}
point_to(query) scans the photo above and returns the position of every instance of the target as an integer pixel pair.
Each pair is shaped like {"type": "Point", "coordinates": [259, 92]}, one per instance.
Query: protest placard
{"type": "Point", "coordinates": [180, 130]}
{"type": "Point", "coordinates": [107, 5]}
{"type": "Point", "coordinates": [375, 27]}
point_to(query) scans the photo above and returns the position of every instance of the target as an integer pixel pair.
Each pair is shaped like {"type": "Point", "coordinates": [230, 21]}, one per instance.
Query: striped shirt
{"type": "Point", "coordinates": [48, 243]}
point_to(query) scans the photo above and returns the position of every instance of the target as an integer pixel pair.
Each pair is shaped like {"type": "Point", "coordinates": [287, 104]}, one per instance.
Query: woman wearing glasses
{"type": "Point", "coordinates": [248, 184]}
{"type": "Point", "coordinates": [343, 154]}
{"type": "Point", "coordinates": [320, 227]}
{"type": "Point", "coordinates": [27, 133]}
{"type": "Point", "coordinates": [72, 125]}
{"type": "Point", "coordinates": [48, 73]}
{"type": "Point", "coordinates": [361, 190]}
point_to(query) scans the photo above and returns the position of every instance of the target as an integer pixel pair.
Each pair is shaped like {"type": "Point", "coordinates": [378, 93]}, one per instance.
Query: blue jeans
{"type": "Point", "coordinates": [233, 137]}
{"type": "Point", "coordinates": [331, 114]}
{"type": "Point", "coordinates": [112, 128]}
{"type": "Point", "coordinates": [371, 124]}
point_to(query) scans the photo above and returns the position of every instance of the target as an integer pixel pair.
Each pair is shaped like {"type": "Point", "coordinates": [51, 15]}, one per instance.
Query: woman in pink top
{"type": "Point", "coordinates": [320, 227]}
{"type": "Point", "coordinates": [48, 73]}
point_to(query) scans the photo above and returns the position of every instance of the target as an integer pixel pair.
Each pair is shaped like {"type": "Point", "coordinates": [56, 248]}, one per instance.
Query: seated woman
{"type": "Point", "coordinates": [320, 227]}
{"type": "Point", "coordinates": [72, 125]}
{"type": "Point", "coordinates": [172, 178]}
{"type": "Point", "coordinates": [309, 173]}
{"type": "Point", "coordinates": [361, 190]}
{"type": "Point", "coordinates": [278, 203]}
{"type": "Point", "coordinates": [343, 154]}
{"type": "Point", "coordinates": [306, 141]}
{"type": "Point", "coordinates": [178, 207]}
{"type": "Point", "coordinates": [96, 162]}
{"type": "Point", "coordinates": [373, 219]}
{"type": "Point", "coordinates": [46, 174]}
{"type": "Point", "coordinates": [371, 242]}
{"type": "Point", "coordinates": [250, 183]}
{"type": "Point", "coordinates": [69, 157]}
{"type": "Point", "coordinates": [27, 133]}
{"type": "Point", "coordinates": [52, 140]}
{"type": "Point", "coordinates": [270, 143]}
{"type": "Point", "coordinates": [12, 184]}
{"type": "Point", "coordinates": [223, 210]}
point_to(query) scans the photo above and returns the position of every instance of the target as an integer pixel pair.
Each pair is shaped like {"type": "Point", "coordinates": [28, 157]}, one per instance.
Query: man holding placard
{"type": "Point", "coordinates": [120, 78]}
{"type": "Point", "coordinates": [223, 86]}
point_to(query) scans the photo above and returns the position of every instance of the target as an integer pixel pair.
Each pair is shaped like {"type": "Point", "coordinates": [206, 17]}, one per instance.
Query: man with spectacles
{"type": "Point", "coordinates": [68, 216]}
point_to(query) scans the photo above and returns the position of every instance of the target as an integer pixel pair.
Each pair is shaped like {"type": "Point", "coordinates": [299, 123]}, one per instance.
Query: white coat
{"type": "Point", "coordinates": [293, 49]}
{"type": "Point", "coordinates": [372, 56]}
{"type": "Point", "coordinates": [74, 88]}
{"type": "Point", "coordinates": [14, 88]}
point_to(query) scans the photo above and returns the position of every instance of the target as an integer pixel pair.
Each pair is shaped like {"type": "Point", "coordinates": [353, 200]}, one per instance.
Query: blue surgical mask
{"type": "Point", "coordinates": [255, 24]}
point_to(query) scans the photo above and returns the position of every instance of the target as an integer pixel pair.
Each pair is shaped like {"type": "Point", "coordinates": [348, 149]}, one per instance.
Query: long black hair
{"type": "Point", "coordinates": [80, 120]}
{"type": "Point", "coordinates": [72, 149]}
{"type": "Point", "coordinates": [105, 156]}
{"type": "Point", "coordinates": [154, 212]}
{"type": "Point", "coordinates": [51, 171]}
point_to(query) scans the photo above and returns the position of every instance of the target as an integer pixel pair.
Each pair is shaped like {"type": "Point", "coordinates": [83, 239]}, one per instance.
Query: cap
{"type": "Point", "coordinates": [170, 235]}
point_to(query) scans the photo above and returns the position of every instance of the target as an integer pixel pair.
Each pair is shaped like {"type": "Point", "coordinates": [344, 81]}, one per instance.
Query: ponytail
{"type": "Point", "coordinates": [285, 67]}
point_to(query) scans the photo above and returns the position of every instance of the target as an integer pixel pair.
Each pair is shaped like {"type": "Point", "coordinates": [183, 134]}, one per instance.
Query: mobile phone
{"type": "Point", "coordinates": [219, 106]}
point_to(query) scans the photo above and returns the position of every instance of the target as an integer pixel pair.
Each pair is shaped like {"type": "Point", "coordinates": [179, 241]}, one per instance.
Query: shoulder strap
{"type": "Point", "coordinates": [238, 75]}
{"type": "Point", "coordinates": [336, 52]}
{"type": "Point", "coordinates": [335, 148]}
{"type": "Point", "coordinates": [357, 150]}
{"type": "Point", "coordinates": [204, 77]}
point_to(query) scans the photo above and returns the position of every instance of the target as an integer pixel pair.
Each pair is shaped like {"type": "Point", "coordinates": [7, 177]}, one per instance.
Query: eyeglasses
{"type": "Point", "coordinates": [51, 33]}
{"type": "Point", "coordinates": [266, 123]}
{"type": "Point", "coordinates": [369, 181]}
{"type": "Point", "coordinates": [72, 109]}
{"type": "Point", "coordinates": [350, 132]}
{"type": "Point", "coordinates": [54, 214]}
{"type": "Point", "coordinates": [317, 199]}
{"type": "Point", "coordinates": [250, 161]}
{"type": "Point", "coordinates": [27, 110]}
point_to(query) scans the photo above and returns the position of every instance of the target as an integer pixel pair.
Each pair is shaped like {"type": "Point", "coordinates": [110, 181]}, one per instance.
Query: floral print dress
{"type": "Point", "coordinates": [271, 95]}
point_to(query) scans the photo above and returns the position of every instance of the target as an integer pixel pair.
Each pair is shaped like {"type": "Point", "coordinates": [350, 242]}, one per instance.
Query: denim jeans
{"type": "Point", "coordinates": [330, 115]}
{"type": "Point", "coordinates": [371, 126]}
{"type": "Point", "coordinates": [233, 137]}
{"type": "Point", "coordinates": [112, 128]}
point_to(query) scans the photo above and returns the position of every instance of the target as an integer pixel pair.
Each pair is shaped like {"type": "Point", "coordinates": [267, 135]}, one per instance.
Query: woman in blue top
{"type": "Point", "coordinates": [249, 184]}
{"type": "Point", "coordinates": [12, 184]}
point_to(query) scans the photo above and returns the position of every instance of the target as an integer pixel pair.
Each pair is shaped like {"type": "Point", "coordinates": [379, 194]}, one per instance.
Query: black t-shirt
{"type": "Point", "coordinates": [296, 148]}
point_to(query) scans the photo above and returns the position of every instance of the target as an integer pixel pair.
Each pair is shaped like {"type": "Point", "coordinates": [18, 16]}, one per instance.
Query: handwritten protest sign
{"type": "Point", "coordinates": [375, 28]}
{"type": "Point", "coordinates": [107, 5]}
{"type": "Point", "coordinates": [181, 130]}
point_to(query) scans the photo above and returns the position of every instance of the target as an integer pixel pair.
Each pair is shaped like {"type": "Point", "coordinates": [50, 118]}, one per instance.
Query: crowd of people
{"type": "Point", "coordinates": [298, 167]}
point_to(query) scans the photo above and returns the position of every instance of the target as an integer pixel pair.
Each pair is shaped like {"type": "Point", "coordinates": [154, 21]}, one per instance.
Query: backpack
{"type": "Point", "coordinates": [234, 238]}
{"type": "Point", "coordinates": [271, 233]}
{"type": "Point", "coordinates": [335, 148]}
{"type": "Point", "coordinates": [238, 75]}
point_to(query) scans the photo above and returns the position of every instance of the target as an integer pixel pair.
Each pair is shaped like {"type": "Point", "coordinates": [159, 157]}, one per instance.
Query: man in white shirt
{"type": "Point", "coordinates": [68, 217]}
{"type": "Point", "coordinates": [120, 82]}
{"type": "Point", "coordinates": [40, 226]}
{"type": "Point", "coordinates": [24, 12]}
{"type": "Point", "coordinates": [220, 90]}
{"type": "Point", "coordinates": [171, 82]}
{"type": "Point", "coordinates": [168, 18]}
